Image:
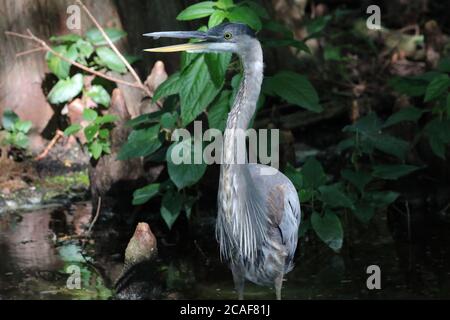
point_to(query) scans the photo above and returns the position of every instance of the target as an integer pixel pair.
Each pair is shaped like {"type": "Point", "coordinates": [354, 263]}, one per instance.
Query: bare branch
{"type": "Point", "coordinates": [52, 143]}
{"type": "Point", "coordinates": [46, 47]}
{"type": "Point", "coordinates": [99, 205]}
{"type": "Point", "coordinates": [15, 34]}
{"type": "Point", "coordinates": [24, 53]}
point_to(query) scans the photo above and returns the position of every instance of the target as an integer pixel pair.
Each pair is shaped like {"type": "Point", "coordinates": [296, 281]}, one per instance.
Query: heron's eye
{"type": "Point", "coordinates": [228, 36]}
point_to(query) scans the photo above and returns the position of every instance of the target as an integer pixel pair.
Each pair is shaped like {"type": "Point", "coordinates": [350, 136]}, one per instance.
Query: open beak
{"type": "Point", "coordinates": [191, 46]}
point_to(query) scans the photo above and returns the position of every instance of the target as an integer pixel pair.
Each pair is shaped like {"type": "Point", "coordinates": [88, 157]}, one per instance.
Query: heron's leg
{"type": "Point", "coordinates": [239, 280]}
{"type": "Point", "coordinates": [278, 285]}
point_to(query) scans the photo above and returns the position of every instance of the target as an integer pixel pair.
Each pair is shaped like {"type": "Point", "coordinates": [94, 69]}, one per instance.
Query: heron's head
{"type": "Point", "coordinates": [227, 37]}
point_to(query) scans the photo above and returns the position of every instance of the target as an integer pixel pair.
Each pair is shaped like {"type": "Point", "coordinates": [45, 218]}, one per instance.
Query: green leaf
{"type": "Point", "coordinates": [66, 38]}
{"type": "Point", "coordinates": [9, 119]}
{"type": "Point", "coordinates": [305, 195]}
{"type": "Point", "coordinates": [184, 174]}
{"type": "Point", "coordinates": [141, 143]}
{"type": "Point", "coordinates": [197, 91]}
{"type": "Point", "coordinates": [58, 66]}
{"type": "Point", "coordinates": [359, 178]}
{"type": "Point", "coordinates": [411, 86]}
{"type": "Point", "coordinates": [225, 4]}
{"type": "Point", "coordinates": [95, 149]}
{"type": "Point", "coordinates": [170, 207]}
{"type": "Point", "coordinates": [111, 59]}
{"type": "Point", "coordinates": [187, 58]}
{"type": "Point", "coordinates": [438, 133]}
{"type": "Point", "coordinates": [217, 66]}
{"type": "Point", "coordinates": [393, 172]}
{"type": "Point", "coordinates": [197, 11]}
{"type": "Point", "coordinates": [99, 95]}
{"type": "Point", "coordinates": [90, 132]}
{"type": "Point", "coordinates": [313, 174]}
{"type": "Point", "coordinates": [89, 114]}
{"type": "Point", "coordinates": [329, 229]}
{"type": "Point", "coordinates": [245, 15]}
{"type": "Point", "coordinates": [390, 145]}
{"type": "Point", "coordinates": [74, 128]}
{"type": "Point", "coordinates": [85, 48]}
{"type": "Point", "coordinates": [363, 212]}
{"type": "Point", "coordinates": [334, 197]}
{"type": "Point", "coordinates": [23, 126]}
{"type": "Point", "coordinates": [169, 87]}
{"type": "Point", "coordinates": [317, 25]}
{"type": "Point", "coordinates": [106, 145]}
{"type": "Point", "coordinates": [147, 118]}
{"type": "Point", "coordinates": [295, 89]}
{"type": "Point", "coordinates": [141, 196]}
{"type": "Point", "coordinates": [107, 118]}
{"type": "Point", "coordinates": [168, 121]}
{"type": "Point", "coordinates": [367, 125]}
{"type": "Point", "coordinates": [66, 90]}
{"type": "Point", "coordinates": [103, 134]}
{"type": "Point", "coordinates": [216, 18]}
{"type": "Point", "coordinates": [96, 38]}
{"type": "Point", "coordinates": [20, 140]}
{"type": "Point", "coordinates": [438, 86]}
{"type": "Point", "coordinates": [381, 199]}
{"type": "Point", "coordinates": [406, 114]}
{"type": "Point", "coordinates": [345, 144]}
{"type": "Point", "coordinates": [218, 112]}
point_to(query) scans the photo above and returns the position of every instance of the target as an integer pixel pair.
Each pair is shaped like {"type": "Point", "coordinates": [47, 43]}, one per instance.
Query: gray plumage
{"type": "Point", "coordinates": [258, 215]}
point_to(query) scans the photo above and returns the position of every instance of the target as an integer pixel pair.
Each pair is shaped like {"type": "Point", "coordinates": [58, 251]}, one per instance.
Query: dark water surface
{"type": "Point", "coordinates": [35, 255]}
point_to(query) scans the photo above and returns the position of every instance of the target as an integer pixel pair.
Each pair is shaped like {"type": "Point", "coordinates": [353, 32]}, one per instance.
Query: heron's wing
{"type": "Point", "coordinates": [282, 203]}
{"type": "Point", "coordinates": [243, 226]}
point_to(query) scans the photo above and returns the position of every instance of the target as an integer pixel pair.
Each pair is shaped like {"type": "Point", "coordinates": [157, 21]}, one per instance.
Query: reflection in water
{"type": "Point", "coordinates": [33, 263]}
{"type": "Point", "coordinates": [28, 244]}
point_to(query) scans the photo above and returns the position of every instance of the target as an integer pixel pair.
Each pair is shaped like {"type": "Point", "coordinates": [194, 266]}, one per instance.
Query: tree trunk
{"type": "Point", "coordinates": [21, 78]}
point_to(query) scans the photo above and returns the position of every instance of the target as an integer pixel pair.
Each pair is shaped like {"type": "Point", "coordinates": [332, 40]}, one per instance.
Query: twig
{"type": "Point", "coordinates": [46, 47]}
{"type": "Point", "coordinates": [99, 204]}
{"type": "Point", "coordinates": [23, 53]}
{"type": "Point", "coordinates": [19, 35]}
{"type": "Point", "coordinates": [52, 143]}
{"type": "Point", "coordinates": [114, 48]}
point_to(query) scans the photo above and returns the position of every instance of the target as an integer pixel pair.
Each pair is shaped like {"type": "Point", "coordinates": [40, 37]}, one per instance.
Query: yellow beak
{"type": "Point", "coordinates": [180, 47]}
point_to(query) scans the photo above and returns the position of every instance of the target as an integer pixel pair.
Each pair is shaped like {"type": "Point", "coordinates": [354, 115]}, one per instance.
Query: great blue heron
{"type": "Point", "coordinates": [258, 215]}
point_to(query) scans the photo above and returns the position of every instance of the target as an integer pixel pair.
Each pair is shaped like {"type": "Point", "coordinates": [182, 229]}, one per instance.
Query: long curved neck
{"type": "Point", "coordinates": [245, 103]}
{"type": "Point", "coordinates": [235, 225]}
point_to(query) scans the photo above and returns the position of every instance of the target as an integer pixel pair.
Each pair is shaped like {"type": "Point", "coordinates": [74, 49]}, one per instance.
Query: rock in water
{"type": "Point", "coordinates": [142, 246]}
{"type": "Point", "coordinates": [140, 278]}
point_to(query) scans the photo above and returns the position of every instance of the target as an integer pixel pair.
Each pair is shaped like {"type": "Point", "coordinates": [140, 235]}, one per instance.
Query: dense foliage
{"type": "Point", "coordinates": [14, 132]}
{"type": "Point", "coordinates": [205, 87]}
